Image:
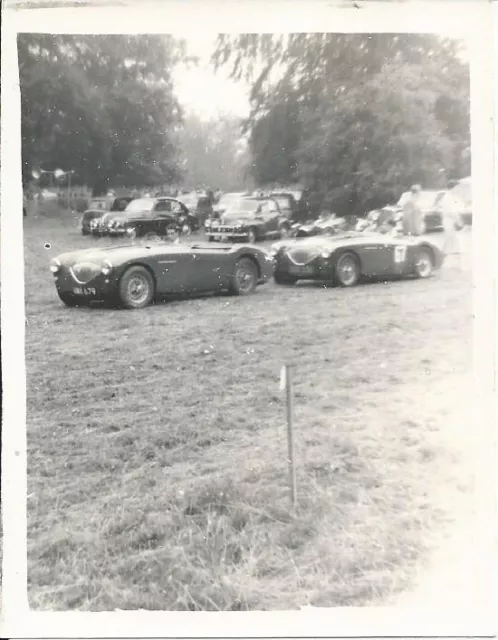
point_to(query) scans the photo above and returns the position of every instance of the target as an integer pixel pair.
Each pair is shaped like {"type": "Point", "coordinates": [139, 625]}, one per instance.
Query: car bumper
{"type": "Point", "coordinates": [229, 235]}
{"type": "Point", "coordinates": [99, 289]}
{"type": "Point", "coordinates": [315, 269]}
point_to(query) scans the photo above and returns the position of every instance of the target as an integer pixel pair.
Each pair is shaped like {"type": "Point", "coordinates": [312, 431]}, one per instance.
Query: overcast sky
{"type": "Point", "coordinates": [204, 92]}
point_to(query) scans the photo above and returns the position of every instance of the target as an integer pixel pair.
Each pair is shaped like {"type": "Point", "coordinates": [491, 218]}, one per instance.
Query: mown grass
{"type": "Point", "coordinates": [157, 445]}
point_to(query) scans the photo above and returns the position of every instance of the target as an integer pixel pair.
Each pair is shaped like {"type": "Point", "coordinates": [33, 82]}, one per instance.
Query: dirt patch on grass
{"type": "Point", "coordinates": [157, 452]}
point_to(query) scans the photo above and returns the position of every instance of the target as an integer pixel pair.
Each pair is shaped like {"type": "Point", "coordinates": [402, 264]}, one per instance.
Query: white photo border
{"type": "Point", "coordinates": [471, 20]}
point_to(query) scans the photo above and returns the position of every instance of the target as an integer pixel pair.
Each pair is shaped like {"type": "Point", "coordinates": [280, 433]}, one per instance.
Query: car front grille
{"type": "Point", "coordinates": [83, 272]}
{"type": "Point", "coordinates": [300, 257]}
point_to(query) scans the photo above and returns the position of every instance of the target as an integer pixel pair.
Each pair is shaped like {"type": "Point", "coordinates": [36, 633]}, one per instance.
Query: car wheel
{"type": "Point", "coordinates": [245, 277]}
{"type": "Point", "coordinates": [210, 239]}
{"type": "Point", "coordinates": [347, 270]}
{"type": "Point", "coordinates": [251, 236]}
{"type": "Point", "coordinates": [284, 278]}
{"type": "Point", "coordinates": [136, 288]}
{"type": "Point", "coordinates": [68, 299]}
{"type": "Point", "coordinates": [424, 264]}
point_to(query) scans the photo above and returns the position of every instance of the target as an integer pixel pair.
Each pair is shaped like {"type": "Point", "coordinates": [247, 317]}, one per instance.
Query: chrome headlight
{"type": "Point", "coordinates": [106, 267]}
{"type": "Point", "coordinates": [55, 265]}
{"type": "Point", "coordinates": [326, 254]}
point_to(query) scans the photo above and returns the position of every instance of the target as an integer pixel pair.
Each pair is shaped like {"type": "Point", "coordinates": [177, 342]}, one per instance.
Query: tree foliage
{"type": "Point", "coordinates": [100, 105]}
{"type": "Point", "coordinates": [355, 117]}
{"type": "Point", "coordinates": [214, 152]}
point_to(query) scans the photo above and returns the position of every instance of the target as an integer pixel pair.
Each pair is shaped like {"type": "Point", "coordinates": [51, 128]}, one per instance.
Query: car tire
{"type": "Point", "coordinates": [68, 299]}
{"type": "Point", "coordinates": [251, 236]}
{"type": "Point", "coordinates": [245, 277]}
{"type": "Point", "coordinates": [424, 263]}
{"type": "Point", "coordinates": [210, 239]}
{"type": "Point", "coordinates": [284, 278]}
{"type": "Point", "coordinates": [136, 288]}
{"type": "Point", "coordinates": [347, 270]}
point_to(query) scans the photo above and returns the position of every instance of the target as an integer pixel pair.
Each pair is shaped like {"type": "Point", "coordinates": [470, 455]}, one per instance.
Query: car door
{"type": "Point", "coordinates": [377, 256]}
{"type": "Point", "coordinates": [269, 214]}
{"type": "Point", "coordinates": [164, 217]}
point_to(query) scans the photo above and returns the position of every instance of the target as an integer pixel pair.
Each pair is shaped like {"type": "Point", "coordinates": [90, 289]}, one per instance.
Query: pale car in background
{"type": "Point", "coordinates": [97, 207]}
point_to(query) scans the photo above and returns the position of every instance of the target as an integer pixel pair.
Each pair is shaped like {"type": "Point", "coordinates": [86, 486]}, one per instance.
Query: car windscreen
{"type": "Point", "coordinates": [120, 204]}
{"type": "Point", "coordinates": [142, 204]}
{"type": "Point", "coordinates": [249, 206]}
{"type": "Point", "coordinates": [98, 204]}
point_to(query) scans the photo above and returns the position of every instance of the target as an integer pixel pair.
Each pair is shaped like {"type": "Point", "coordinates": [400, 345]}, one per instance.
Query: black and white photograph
{"type": "Point", "coordinates": [248, 294]}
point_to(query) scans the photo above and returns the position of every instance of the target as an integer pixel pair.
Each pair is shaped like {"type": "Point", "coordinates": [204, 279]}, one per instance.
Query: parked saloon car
{"type": "Point", "coordinates": [251, 219]}
{"type": "Point", "coordinates": [198, 204]}
{"type": "Point", "coordinates": [293, 204]}
{"type": "Point", "coordinates": [135, 275]}
{"type": "Point", "coordinates": [97, 207]}
{"type": "Point", "coordinates": [345, 258]}
{"type": "Point", "coordinates": [148, 217]}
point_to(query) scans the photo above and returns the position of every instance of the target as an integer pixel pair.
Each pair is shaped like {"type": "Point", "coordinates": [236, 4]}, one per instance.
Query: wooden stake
{"type": "Point", "coordinates": [290, 435]}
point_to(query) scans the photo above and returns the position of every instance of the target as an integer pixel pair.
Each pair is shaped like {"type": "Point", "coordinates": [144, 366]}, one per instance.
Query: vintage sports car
{"type": "Point", "coordinates": [251, 219]}
{"type": "Point", "coordinates": [147, 217]}
{"type": "Point", "coordinates": [346, 258]}
{"type": "Point", "coordinates": [134, 276]}
{"type": "Point", "coordinates": [326, 224]}
{"type": "Point", "coordinates": [97, 207]}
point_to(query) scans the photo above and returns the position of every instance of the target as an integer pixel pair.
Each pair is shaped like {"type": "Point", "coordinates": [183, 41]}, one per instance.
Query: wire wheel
{"type": "Point", "coordinates": [245, 277]}
{"type": "Point", "coordinates": [347, 270]}
{"type": "Point", "coordinates": [424, 264]}
{"type": "Point", "coordinates": [136, 288]}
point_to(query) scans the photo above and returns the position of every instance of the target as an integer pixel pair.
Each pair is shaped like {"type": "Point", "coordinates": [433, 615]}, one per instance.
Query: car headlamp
{"type": "Point", "coordinates": [325, 254]}
{"type": "Point", "coordinates": [106, 267]}
{"type": "Point", "coordinates": [55, 265]}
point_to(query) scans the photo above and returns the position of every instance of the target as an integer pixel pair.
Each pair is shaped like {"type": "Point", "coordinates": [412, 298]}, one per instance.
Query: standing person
{"type": "Point", "coordinates": [450, 211]}
{"type": "Point", "coordinates": [413, 221]}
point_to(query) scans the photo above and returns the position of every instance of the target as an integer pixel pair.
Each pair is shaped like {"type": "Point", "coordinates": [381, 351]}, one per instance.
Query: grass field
{"type": "Point", "coordinates": [157, 444]}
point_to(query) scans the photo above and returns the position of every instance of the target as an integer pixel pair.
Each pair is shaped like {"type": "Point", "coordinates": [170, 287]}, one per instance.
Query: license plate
{"type": "Point", "coordinates": [304, 270]}
{"type": "Point", "coordinates": [84, 291]}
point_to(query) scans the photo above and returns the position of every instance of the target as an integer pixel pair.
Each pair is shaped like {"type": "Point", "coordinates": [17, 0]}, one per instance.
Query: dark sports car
{"type": "Point", "coordinates": [148, 217]}
{"type": "Point", "coordinates": [134, 276]}
{"type": "Point", "coordinates": [345, 258]}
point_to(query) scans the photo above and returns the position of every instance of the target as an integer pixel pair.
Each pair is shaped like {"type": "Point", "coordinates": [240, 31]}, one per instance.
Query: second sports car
{"type": "Point", "coordinates": [345, 258]}
{"type": "Point", "coordinates": [133, 276]}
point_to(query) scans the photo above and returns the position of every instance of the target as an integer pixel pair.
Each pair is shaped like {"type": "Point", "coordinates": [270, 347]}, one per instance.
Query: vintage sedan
{"type": "Point", "coordinates": [136, 275]}
{"type": "Point", "coordinates": [251, 219]}
{"type": "Point", "coordinates": [97, 207]}
{"type": "Point", "coordinates": [346, 258]}
{"type": "Point", "coordinates": [148, 217]}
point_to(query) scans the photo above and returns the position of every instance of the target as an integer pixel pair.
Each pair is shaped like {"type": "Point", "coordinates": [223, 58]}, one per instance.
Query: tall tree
{"type": "Point", "coordinates": [357, 117]}
{"type": "Point", "coordinates": [100, 105]}
{"type": "Point", "coordinates": [214, 152]}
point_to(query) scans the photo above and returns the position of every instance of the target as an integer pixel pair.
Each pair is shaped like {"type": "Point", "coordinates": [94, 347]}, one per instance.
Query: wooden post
{"type": "Point", "coordinates": [290, 435]}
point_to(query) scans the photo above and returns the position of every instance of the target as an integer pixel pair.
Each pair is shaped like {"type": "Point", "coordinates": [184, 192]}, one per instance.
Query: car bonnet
{"type": "Point", "coordinates": [121, 254]}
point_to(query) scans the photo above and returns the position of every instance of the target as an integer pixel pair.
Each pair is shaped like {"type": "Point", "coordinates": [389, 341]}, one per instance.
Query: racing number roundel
{"type": "Point", "coordinates": [399, 253]}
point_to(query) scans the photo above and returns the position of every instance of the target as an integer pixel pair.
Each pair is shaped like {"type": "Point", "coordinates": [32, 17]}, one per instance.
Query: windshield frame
{"type": "Point", "coordinates": [135, 207]}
